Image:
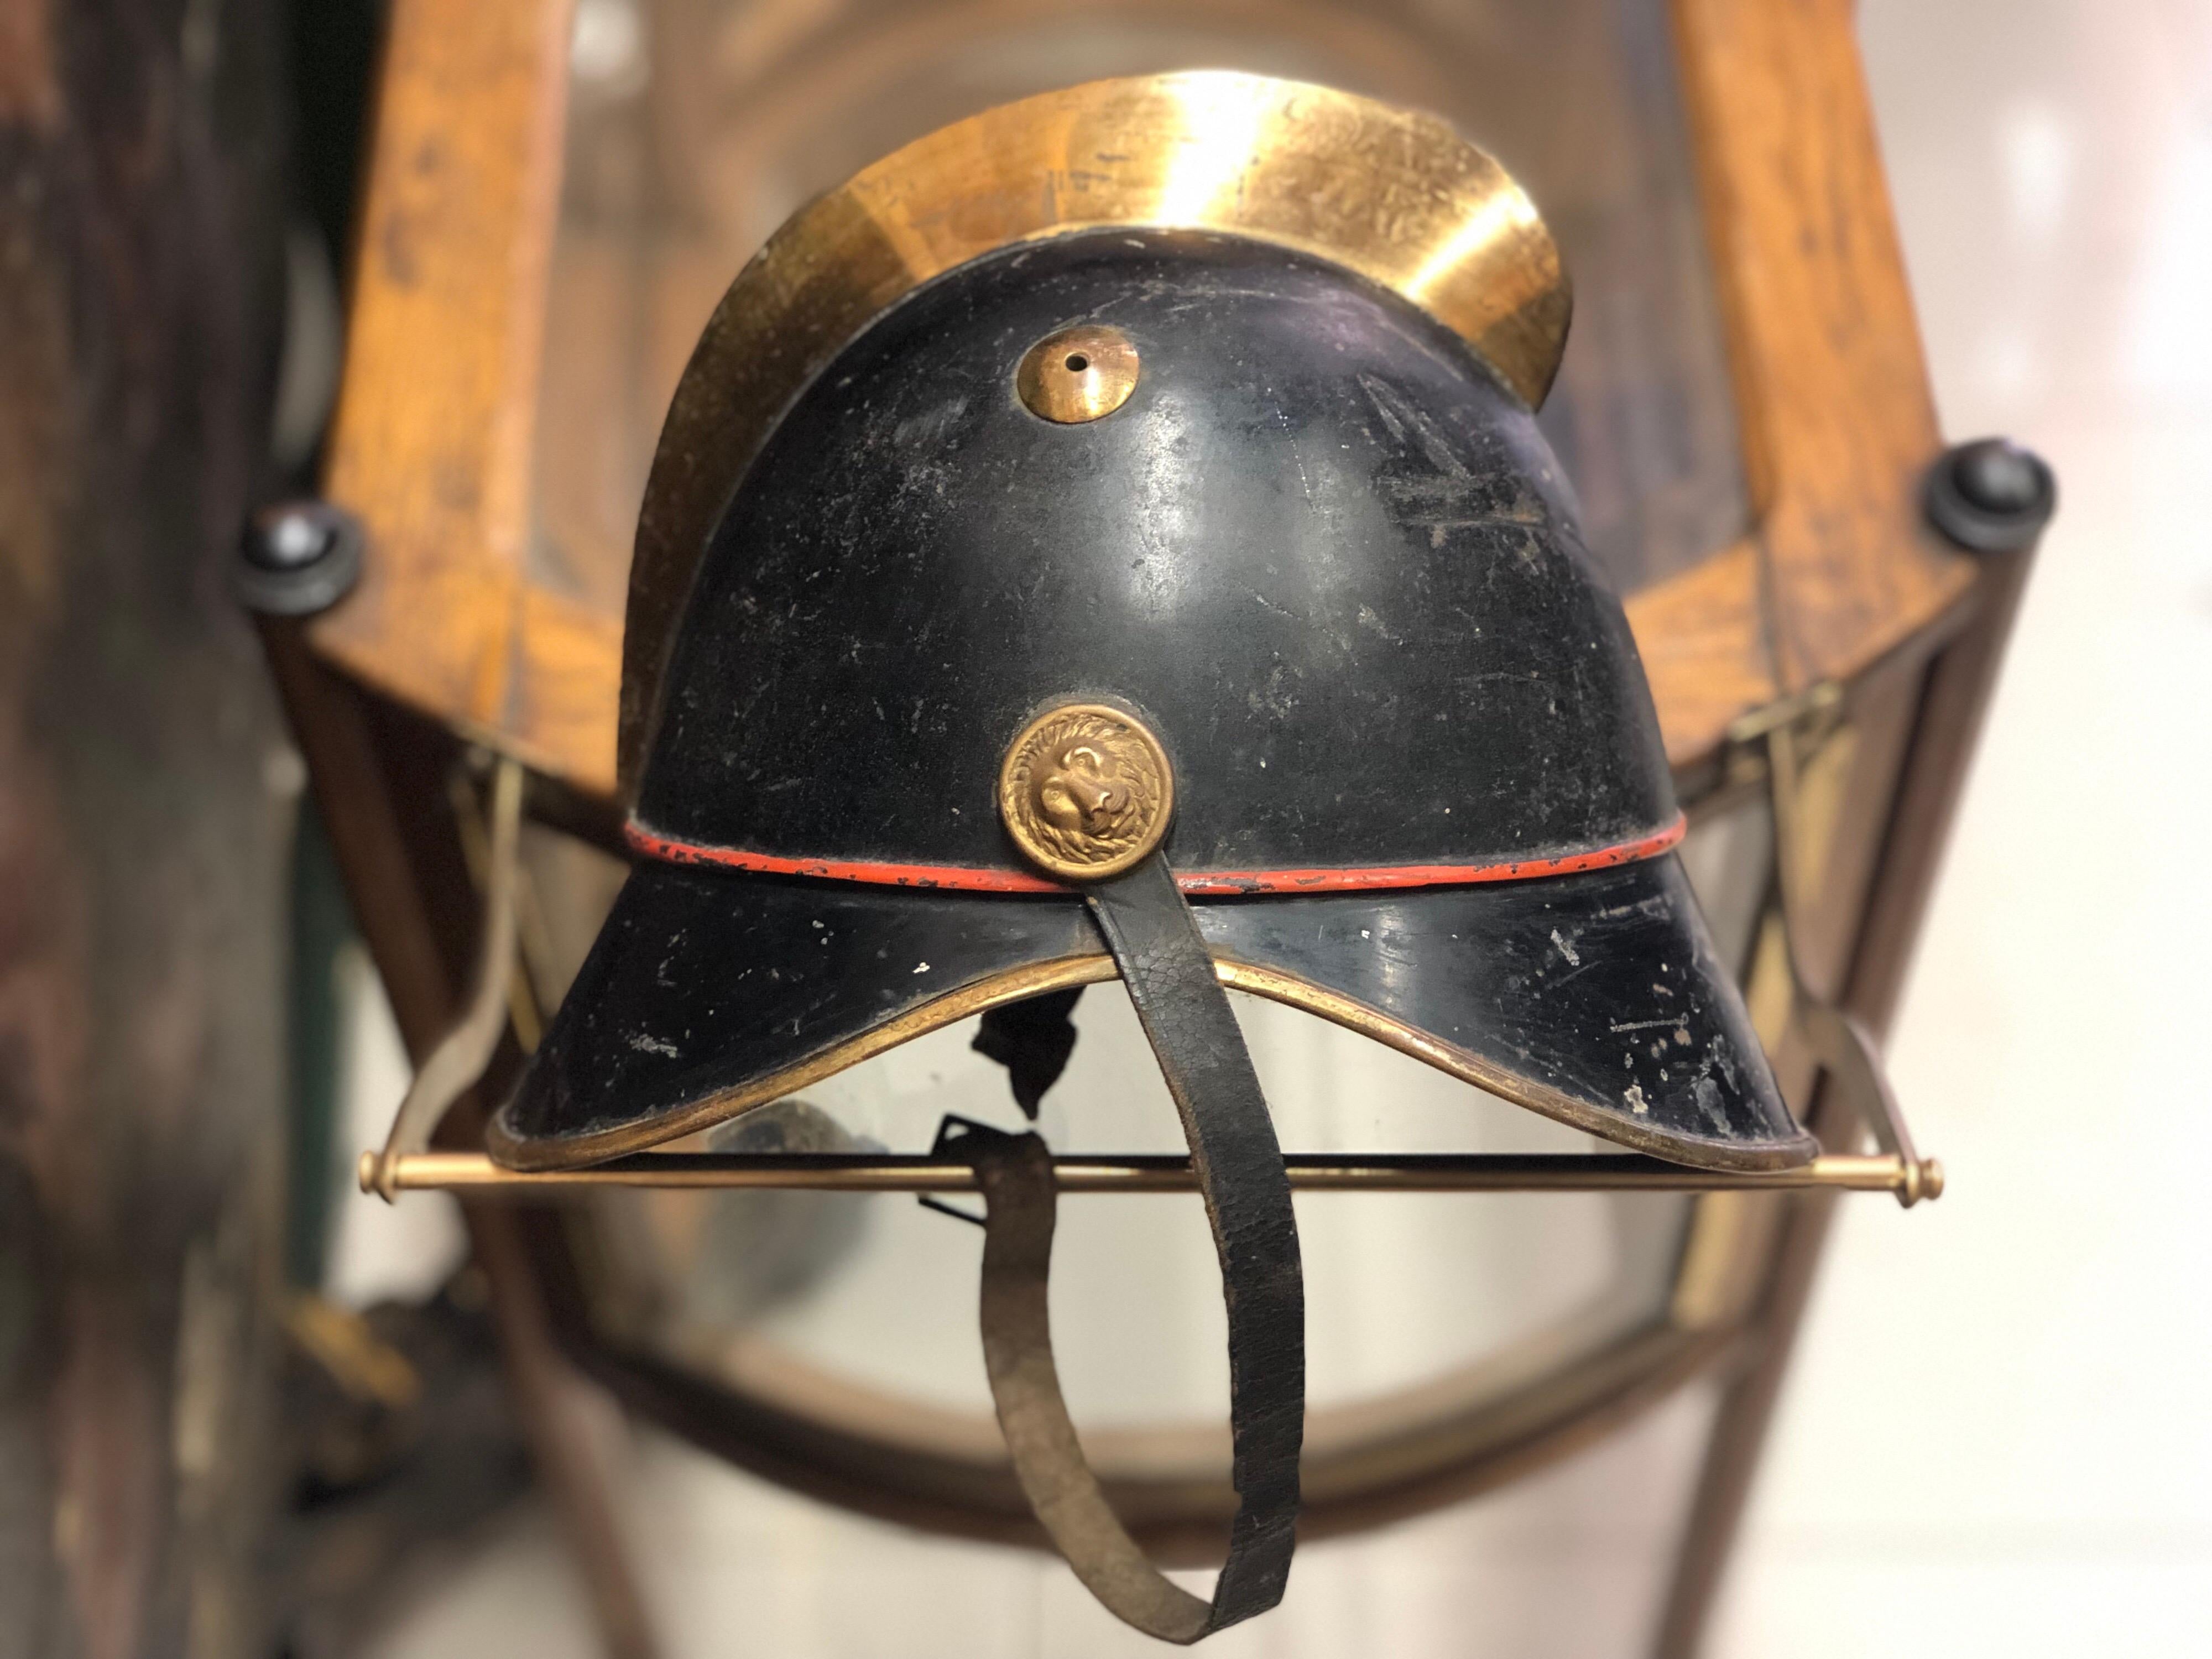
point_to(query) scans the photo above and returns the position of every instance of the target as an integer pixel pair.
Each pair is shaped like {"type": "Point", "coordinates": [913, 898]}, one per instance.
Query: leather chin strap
{"type": "Point", "coordinates": [1185, 1015]}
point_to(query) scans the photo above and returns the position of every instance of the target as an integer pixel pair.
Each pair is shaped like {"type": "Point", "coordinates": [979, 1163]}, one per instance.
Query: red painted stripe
{"type": "Point", "coordinates": [968, 878]}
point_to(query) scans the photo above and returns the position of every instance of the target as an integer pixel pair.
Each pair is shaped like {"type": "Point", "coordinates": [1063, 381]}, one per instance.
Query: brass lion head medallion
{"type": "Point", "coordinates": [1085, 791]}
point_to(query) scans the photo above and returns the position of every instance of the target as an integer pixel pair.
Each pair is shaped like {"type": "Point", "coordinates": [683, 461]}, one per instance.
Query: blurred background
{"type": "Point", "coordinates": [1988, 1441]}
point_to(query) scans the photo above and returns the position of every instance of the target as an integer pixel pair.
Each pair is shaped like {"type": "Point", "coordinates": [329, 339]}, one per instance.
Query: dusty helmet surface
{"type": "Point", "coordinates": [1327, 558]}
{"type": "Point", "coordinates": [1210, 549]}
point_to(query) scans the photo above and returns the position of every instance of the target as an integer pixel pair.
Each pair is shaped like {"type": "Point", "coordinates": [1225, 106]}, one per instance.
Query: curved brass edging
{"type": "Point", "coordinates": [1698, 1152]}
{"type": "Point", "coordinates": [1396, 195]}
{"type": "Point", "coordinates": [575, 1152]}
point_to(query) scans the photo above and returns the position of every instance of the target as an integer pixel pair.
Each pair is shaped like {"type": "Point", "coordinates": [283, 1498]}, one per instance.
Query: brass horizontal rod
{"type": "Point", "coordinates": [1418, 1172]}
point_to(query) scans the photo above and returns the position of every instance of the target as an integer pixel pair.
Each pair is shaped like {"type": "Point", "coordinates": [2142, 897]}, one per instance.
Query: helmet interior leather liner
{"type": "Point", "coordinates": [1215, 562]}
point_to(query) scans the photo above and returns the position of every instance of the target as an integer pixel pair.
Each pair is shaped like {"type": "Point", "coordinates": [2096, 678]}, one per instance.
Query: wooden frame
{"type": "Point", "coordinates": [1837, 580]}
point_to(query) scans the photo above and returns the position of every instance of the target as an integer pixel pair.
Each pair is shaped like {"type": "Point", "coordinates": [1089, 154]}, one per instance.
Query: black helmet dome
{"type": "Point", "coordinates": [1324, 553]}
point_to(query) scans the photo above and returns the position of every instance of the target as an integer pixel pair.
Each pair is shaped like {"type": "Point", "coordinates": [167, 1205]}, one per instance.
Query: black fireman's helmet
{"type": "Point", "coordinates": [1221, 546]}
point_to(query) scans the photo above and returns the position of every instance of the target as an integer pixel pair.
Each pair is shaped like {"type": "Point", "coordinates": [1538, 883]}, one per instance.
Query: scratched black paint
{"type": "Point", "coordinates": [1326, 554]}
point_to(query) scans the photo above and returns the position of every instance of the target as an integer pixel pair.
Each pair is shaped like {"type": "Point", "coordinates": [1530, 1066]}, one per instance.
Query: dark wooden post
{"type": "Point", "coordinates": [142, 202]}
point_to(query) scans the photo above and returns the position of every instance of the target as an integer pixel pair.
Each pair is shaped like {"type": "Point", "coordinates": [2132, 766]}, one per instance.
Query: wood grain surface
{"type": "Point", "coordinates": [1832, 399]}
{"type": "Point", "coordinates": [431, 440]}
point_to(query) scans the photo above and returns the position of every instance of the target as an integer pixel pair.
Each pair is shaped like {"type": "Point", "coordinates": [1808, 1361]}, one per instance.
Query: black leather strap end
{"type": "Point", "coordinates": [1194, 1036]}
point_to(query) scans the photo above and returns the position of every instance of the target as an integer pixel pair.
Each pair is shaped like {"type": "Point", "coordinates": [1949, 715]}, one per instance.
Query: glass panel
{"type": "Point", "coordinates": [879, 1291]}
{"type": "Point", "coordinates": [696, 126]}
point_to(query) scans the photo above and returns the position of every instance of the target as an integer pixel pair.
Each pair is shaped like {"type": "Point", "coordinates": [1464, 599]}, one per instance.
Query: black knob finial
{"type": "Point", "coordinates": [296, 558]}
{"type": "Point", "coordinates": [1991, 495]}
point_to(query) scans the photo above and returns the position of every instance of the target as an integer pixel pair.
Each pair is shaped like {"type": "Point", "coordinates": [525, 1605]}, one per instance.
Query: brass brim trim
{"type": "Point", "coordinates": [576, 1151]}
{"type": "Point", "coordinates": [1697, 1152]}
{"type": "Point", "coordinates": [1395, 195]}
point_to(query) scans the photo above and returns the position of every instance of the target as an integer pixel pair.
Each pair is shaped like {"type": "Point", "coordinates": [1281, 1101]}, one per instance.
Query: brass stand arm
{"type": "Point", "coordinates": [463, 1053]}
{"type": "Point", "coordinates": [1843, 1045]}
